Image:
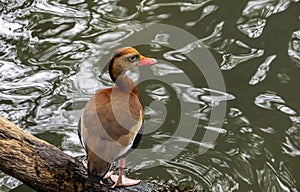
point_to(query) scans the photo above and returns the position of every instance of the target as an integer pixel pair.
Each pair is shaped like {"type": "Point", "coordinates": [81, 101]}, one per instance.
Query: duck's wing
{"type": "Point", "coordinates": [108, 129]}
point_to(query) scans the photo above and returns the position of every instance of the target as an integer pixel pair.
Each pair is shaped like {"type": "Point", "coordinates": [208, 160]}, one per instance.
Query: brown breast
{"type": "Point", "coordinates": [110, 122]}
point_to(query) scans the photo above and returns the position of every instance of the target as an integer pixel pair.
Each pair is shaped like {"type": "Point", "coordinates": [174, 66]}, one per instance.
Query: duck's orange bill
{"type": "Point", "coordinates": [146, 61]}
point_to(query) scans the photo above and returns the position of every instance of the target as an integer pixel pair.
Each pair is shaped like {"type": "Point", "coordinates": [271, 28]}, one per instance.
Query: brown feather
{"type": "Point", "coordinates": [103, 136]}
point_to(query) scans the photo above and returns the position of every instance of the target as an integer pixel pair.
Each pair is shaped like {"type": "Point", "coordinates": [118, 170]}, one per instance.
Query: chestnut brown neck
{"type": "Point", "coordinates": [125, 84]}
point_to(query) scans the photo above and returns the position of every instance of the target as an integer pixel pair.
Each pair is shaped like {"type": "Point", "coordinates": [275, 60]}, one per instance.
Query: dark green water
{"type": "Point", "coordinates": [50, 66]}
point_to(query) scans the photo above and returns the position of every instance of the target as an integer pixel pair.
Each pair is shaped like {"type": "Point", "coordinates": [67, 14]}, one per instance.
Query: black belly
{"type": "Point", "coordinates": [138, 137]}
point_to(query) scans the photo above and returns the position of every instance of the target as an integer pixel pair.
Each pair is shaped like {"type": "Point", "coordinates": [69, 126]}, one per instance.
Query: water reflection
{"type": "Point", "coordinates": [183, 6]}
{"type": "Point", "coordinates": [291, 146]}
{"type": "Point", "coordinates": [231, 60]}
{"type": "Point", "coordinates": [49, 67]}
{"type": "Point", "coordinates": [165, 69]}
{"type": "Point", "coordinates": [255, 14]}
{"type": "Point", "coordinates": [262, 70]}
{"type": "Point", "coordinates": [206, 11]}
{"type": "Point", "coordinates": [272, 180]}
{"type": "Point", "coordinates": [273, 101]}
{"type": "Point", "coordinates": [294, 46]}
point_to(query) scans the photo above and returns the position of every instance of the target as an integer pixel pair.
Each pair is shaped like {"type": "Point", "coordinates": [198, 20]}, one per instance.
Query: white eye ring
{"type": "Point", "coordinates": [132, 58]}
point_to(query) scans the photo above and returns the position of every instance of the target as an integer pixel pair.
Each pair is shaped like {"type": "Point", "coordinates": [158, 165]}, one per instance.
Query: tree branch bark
{"type": "Point", "coordinates": [42, 166]}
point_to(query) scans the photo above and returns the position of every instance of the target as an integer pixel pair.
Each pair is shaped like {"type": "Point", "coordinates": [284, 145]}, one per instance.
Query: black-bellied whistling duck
{"type": "Point", "coordinates": [111, 123]}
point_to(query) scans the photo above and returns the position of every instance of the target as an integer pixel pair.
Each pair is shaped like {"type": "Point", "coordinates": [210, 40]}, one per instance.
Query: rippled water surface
{"type": "Point", "coordinates": [49, 67]}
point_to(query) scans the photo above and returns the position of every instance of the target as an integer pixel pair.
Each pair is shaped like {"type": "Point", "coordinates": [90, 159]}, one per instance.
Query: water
{"type": "Point", "coordinates": [49, 67]}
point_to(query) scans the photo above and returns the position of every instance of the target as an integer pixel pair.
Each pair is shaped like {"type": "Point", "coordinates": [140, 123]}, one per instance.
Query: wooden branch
{"type": "Point", "coordinates": [42, 166]}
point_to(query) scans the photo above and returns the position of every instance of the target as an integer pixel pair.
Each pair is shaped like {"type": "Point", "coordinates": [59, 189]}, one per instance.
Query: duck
{"type": "Point", "coordinates": [111, 123]}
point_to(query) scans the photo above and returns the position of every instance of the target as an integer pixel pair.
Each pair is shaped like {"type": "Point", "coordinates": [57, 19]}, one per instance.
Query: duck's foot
{"type": "Point", "coordinates": [121, 180]}
{"type": "Point", "coordinates": [107, 175]}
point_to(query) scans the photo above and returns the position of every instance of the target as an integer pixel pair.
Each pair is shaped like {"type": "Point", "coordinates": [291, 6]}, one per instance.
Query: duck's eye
{"type": "Point", "coordinates": [132, 58]}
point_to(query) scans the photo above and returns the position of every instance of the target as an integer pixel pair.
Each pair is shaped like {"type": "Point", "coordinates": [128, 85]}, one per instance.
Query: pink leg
{"type": "Point", "coordinates": [121, 180]}
{"type": "Point", "coordinates": [84, 164]}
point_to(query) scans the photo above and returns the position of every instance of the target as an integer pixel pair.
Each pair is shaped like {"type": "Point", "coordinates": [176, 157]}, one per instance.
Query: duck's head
{"type": "Point", "coordinates": [125, 58]}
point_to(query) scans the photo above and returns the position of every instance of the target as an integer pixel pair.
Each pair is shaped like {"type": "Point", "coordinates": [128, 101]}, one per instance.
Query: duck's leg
{"type": "Point", "coordinates": [84, 164]}
{"type": "Point", "coordinates": [121, 180]}
{"type": "Point", "coordinates": [108, 174]}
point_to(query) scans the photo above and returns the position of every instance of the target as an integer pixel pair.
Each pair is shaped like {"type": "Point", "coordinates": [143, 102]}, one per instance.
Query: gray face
{"type": "Point", "coordinates": [125, 62]}
{"type": "Point", "coordinates": [130, 60]}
